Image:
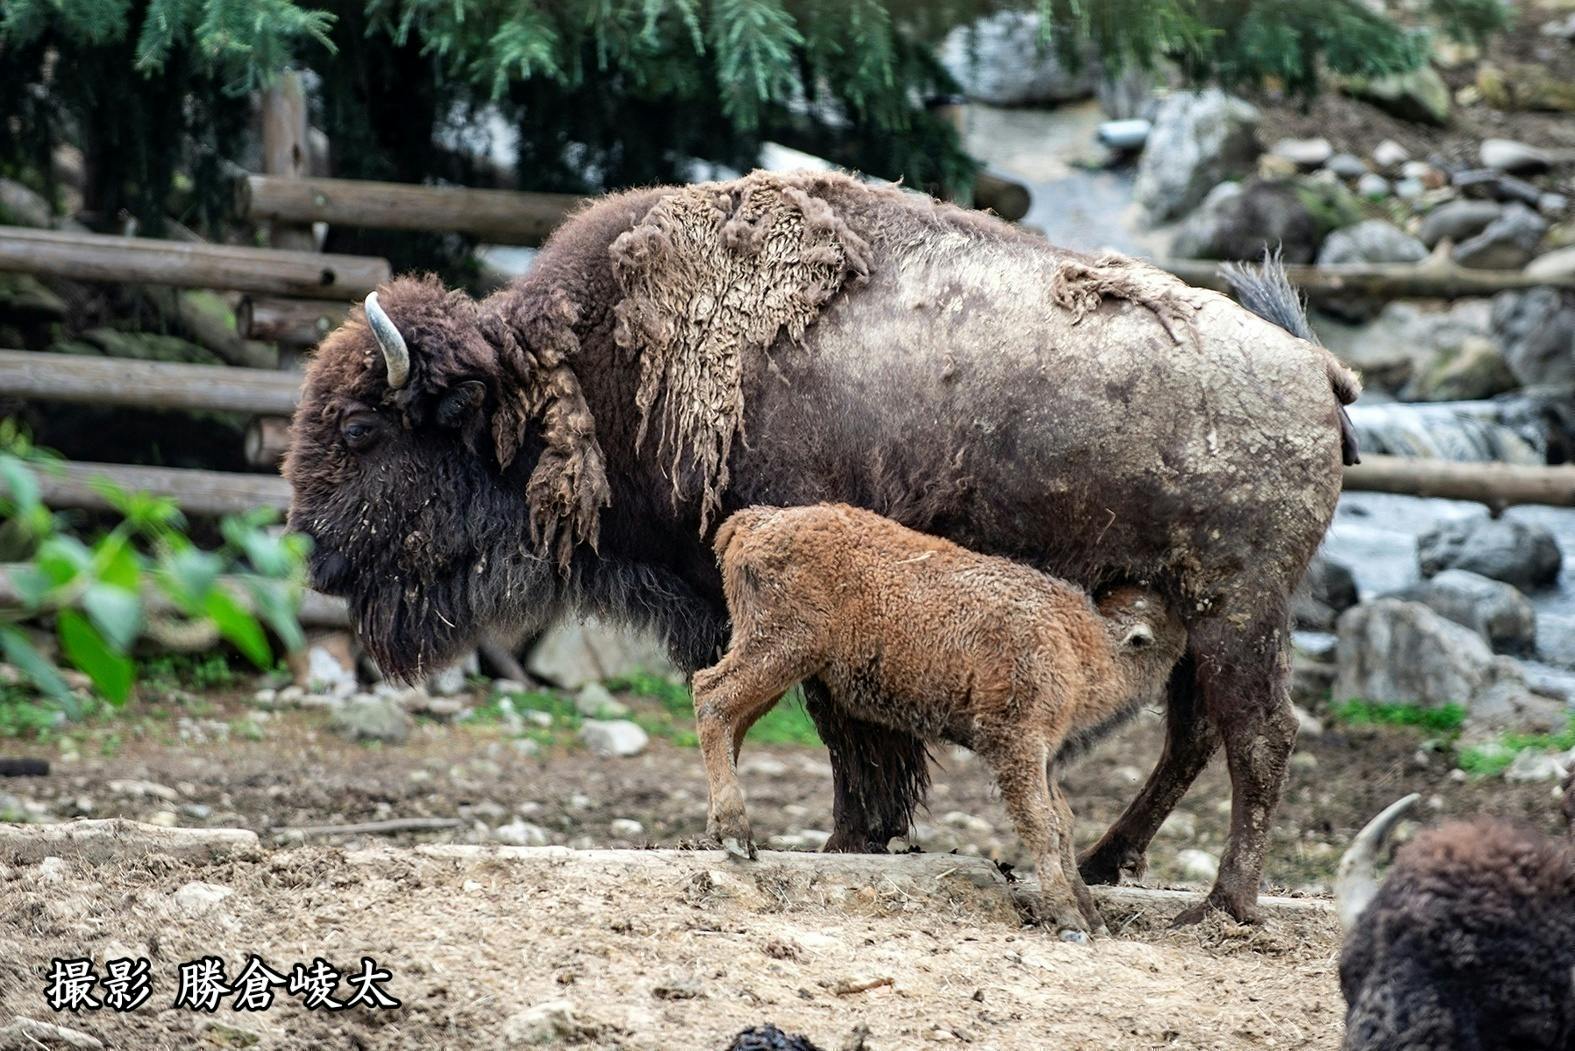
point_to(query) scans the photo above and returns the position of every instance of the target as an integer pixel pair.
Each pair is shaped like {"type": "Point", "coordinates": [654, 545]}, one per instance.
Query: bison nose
{"type": "Point", "coordinates": [330, 572]}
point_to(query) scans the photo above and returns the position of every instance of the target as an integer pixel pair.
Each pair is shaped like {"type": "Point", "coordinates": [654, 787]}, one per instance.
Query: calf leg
{"type": "Point", "coordinates": [1085, 900]}
{"type": "Point", "coordinates": [879, 776]}
{"type": "Point", "coordinates": [1190, 740]}
{"type": "Point", "coordinates": [728, 699]}
{"type": "Point", "coordinates": [1020, 768]}
{"type": "Point", "coordinates": [1245, 687]}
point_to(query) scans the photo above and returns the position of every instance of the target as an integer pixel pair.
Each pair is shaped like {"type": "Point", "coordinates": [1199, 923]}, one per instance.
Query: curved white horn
{"type": "Point", "coordinates": [392, 343]}
{"type": "Point", "coordinates": [1356, 880]}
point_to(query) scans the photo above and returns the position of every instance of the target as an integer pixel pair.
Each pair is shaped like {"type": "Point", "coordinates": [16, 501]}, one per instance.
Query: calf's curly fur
{"type": "Point", "coordinates": [918, 634]}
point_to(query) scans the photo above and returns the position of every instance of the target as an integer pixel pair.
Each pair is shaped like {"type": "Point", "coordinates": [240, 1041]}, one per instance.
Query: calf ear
{"type": "Point", "coordinates": [460, 404]}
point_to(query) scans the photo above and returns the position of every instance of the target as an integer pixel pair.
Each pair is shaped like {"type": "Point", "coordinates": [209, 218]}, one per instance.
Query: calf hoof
{"type": "Point", "coordinates": [742, 849]}
{"type": "Point", "coordinates": [1107, 864]}
{"type": "Point", "coordinates": [1073, 936]}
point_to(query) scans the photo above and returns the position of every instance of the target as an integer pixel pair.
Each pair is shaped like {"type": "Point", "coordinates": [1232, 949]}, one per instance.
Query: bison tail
{"type": "Point", "coordinates": [1265, 290]}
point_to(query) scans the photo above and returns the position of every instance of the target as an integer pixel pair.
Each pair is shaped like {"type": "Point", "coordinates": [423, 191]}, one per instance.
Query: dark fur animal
{"type": "Point", "coordinates": [1469, 944]}
{"type": "Point", "coordinates": [912, 632]}
{"type": "Point", "coordinates": [678, 353]}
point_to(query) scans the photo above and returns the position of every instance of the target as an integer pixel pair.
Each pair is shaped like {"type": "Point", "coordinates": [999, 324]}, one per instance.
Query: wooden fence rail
{"type": "Point", "coordinates": [266, 271]}
{"type": "Point", "coordinates": [1436, 277]}
{"type": "Point", "coordinates": [196, 492]}
{"type": "Point", "coordinates": [317, 610]}
{"type": "Point", "coordinates": [146, 384]}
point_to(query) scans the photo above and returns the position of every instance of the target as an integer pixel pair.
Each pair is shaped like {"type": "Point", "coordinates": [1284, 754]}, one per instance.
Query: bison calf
{"type": "Point", "coordinates": [1469, 942]}
{"type": "Point", "coordinates": [915, 633]}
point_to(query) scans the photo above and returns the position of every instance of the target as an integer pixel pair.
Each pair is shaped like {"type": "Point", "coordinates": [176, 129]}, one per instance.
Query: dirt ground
{"type": "Point", "coordinates": [651, 961]}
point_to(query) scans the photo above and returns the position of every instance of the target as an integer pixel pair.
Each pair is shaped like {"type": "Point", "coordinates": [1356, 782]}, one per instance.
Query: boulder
{"type": "Point", "coordinates": [1457, 221]}
{"type": "Point", "coordinates": [1468, 371]}
{"type": "Point", "coordinates": [1001, 59]}
{"type": "Point", "coordinates": [1509, 242]}
{"type": "Point", "coordinates": [572, 653]}
{"type": "Point", "coordinates": [1506, 549]}
{"type": "Point", "coordinates": [1371, 241]}
{"type": "Point", "coordinates": [1240, 221]}
{"type": "Point", "coordinates": [1536, 329]}
{"type": "Point", "coordinates": [1419, 352]}
{"type": "Point", "coordinates": [1493, 609]}
{"type": "Point", "coordinates": [372, 717]}
{"type": "Point", "coordinates": [1327, 590]}
{"type": "Point", "coordinates": [1420, 95]}
{"type": "Point", "coordinates": [1199, 139]}
{"type": "Point", "coordinates": [1507, 155]}
{"type": "Point", "coordinates": [614, 737]}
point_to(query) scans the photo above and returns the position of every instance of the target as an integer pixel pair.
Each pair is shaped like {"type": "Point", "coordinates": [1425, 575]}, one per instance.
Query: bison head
{"type": "Point", "coordinates": [412, 455]}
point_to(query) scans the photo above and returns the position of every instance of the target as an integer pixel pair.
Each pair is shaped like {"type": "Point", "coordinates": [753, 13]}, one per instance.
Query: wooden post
{"type": "Point", "coordinates": [95, 257]}
{"type": "Point", "coordinates": [285, 151]}
{"type": "Point", "coordinates": [267, 440]}
{"type": "Point", "coordinates": [289, 322]}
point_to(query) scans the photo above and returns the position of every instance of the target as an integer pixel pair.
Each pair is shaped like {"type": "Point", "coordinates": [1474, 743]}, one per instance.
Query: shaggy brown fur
{"type": "Point", "coordinates": [1469, 944]}
{"type": "Point", "coordinates": [942, 382]}
{"type": "Point", "coordinates": [916, 633]}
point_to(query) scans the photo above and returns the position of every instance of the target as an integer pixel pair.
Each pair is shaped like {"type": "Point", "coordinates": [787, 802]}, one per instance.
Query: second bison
{"type": "Point", "coordinates": [918, 634]}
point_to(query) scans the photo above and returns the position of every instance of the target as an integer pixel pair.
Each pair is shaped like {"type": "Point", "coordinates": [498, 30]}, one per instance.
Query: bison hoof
{"type": "Point", "coordinates": [741, 848]}
{"type": "Point", "coordinates": [1073, 935]}
{"type": "Point", "coordinates": [1240, 911]}
{"type": "Point", "coordinates": [1106, 865]}
{"type": "Point", "coordinates": [857, 843]}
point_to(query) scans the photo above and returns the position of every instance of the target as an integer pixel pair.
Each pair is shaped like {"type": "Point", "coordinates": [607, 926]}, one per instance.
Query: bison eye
{"type": "Point", "coordinates": [360, 433]}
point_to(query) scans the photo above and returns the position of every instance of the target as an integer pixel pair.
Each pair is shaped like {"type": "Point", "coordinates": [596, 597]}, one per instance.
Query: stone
{"type": "Point", "coordinates": [369, 717]}
{"type": "Point", "coordinates": [520, 833]}
{"type": "Point", "coordinates": [1557, 265]}
{"type": "Point", "coordinates": [617, 737]}
{"type": "Point", "coordinates": [27, 1034]}
{"type": "Point", "coordinates": [1419, 95]}
{"type": "Point", "coordinates": [1000, 59]}
{"type": "Point", "coordinates": [1124, 136]}
{"type": "Point", "coordinates": [595, 701]}
{"type": "Point", "coordinates": [447, 682]}
{"type": "Point", "coordinates": [1346, 166]}
{"type": "Point", "coordinates": [196, 898]}
{"type": "Point", "coordinates": [1327, 590]}
{"type": "Point", "coordinates": [1371, 241]}
{"type": "Point", "coordinates": [1457, 221]}
{"type": "Point", "coordinates": [963, 821]}
{"type": "Point", "coordinates": [1199, 139]}
{"type": "Point", "coordinates": [1493, 609]}
{"type": "Point", "coordinates": [1179, 825]}
{"type": "Point", "coordinates": [326, 665]}
{"type": "Point", "coordinates": [625, 828]}
{"type": "Point", "coordinates": [1536, 329]}
{"type": "Point", "coordinates": [572, 653]}
{"type": "Point", "coordinates": [1507, 243]}
{"type": "Point", "coordinates": [1410, 188]}
{"type": "Point", "coordinates": [1506, 549]}
{"type": "Point", "coordinates": [52, 870]}
{"type": "Point", "coordinates": [1199, 866]}
{"type": "Point", "coordinates": [1532, 765]}
{"type": "Point", "coordinates": [1240, 221]}
{"type": "Point", "coordinates": [1525, 86]}
{"type": "Point", "coordinates": [1552, 205]}
{"type": "Point", "coordinates": [1373, 186]}
{"type": "Point", "coordinates": [1307, 724]}
{"type": "Point", "coordinates": [1486, 184]}
{"type": "Point", "coordinates": [551, 1023]}
{"type": "Point", "coordinates": [142, 790]}
{"type": "Point", "coordinates": [1305, 154]}
{"type": "Point", "coordinates": [1507, 155]}
{"type": "Point", "coordinates": [1470, 370]}
{"type": "Point", "coordinates": [1390, 154]}
{"type": "Point", "coordinates": [1311, 680]}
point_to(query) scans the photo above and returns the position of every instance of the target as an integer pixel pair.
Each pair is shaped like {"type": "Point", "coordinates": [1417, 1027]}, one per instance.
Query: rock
{"type": "Point", "coordinates": [1239, 221]}
{"type": "Point", "coordinates": [1373, 186]}
{"type": "Point", "coordinates": [1346, 166]}
{"type": "Point", "coordinates": [1390, 154]}
{"type": "Point", "coordinates": [1199, 866]}
{"type": "Point", "coordinates": [1557, 265]}
{"type": "Point", "coordinates": [966, 822]}
{"type": "Point", "coordinates": [1199, 139]}
{"type": "Point", "coordinates": [52, 870]}
{"type": "Point", "coordinates": [618, 737]}
{"type": "Point", "coordinates": [1306, 154]}
{"type": "Point", "coordinates": [573, 653]}
{"type": "Point", "coordinates": [1507, 243]}
{"type": "Point", "coordinates": [1420, 95]}
{"type": "Point", "coordinates": [291, 695]}
{"type": "Point", "coordinates": [595, 701]}
{"type": "Point", "coordinates": [1531, 765]}
{"type": "Point", "coordinates": [1412, 349]}
{"type": "Point", "coordinates": [1506, 549]}
{"type": "Point", "coordinates": [1552, 205]}
{"type": "Point", "coordinates": [508, 686]}
{"type": "Point", "coordinates": [1493, 609]}
{"type": "Point", "coordinates": [326, 665]}
{"type": "Point", "coordinates": [1308, 725]}
{"type": "Point", "coordinates": [1311, 680]}
{"type": "Point", "coordinates": [1371, 241]}
{"type": "Point", "coordinates": [1327, 590]}
{"type": "Point", "coordinates": [1484, 183]}
{"type": "Point", "coordinates": [1410, 188]}
{"type": "Point", "coordinates": [1467, 371]}
{"type": "Point", "coordinates": [1526, 86]}
{"type": "Point", "coordinates": [999, 59]}
{"type": "Point", "coordinates": [1457, 221]}
{"type": "Point", "coordinates": [1124, 136]}
{"type": "Point", "coordinates": [142, 790]}
{"type": "Point", "coordinates": [519, 833]}
{"type": "Point", "coordinates": [265, 697]}
{"type": "Point", "coordinates": [447, 682]}
{"type": "Point", "coordinates": [552, 1023]}
{"type": "Point", "coordinates": [1536, 329]}
{"type": "Point", "coordinates": [197, 897]}
{"type": "Point", "coordinates": [626, 828]}
{"type": "Point", "coordinates": [1507, 155]}
{"type": "Point", "coordinates": [1179, 825]}
{"type": "Point", "coordinates": [27, 1034]}
{"type": "Point", "coordinates": [369, 717]}
{"type": "Point", "coordinates": [525, 747]}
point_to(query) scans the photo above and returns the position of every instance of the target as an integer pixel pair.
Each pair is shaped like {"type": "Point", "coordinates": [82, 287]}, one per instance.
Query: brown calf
{"type": "Point", "coordinates": [918, 634]}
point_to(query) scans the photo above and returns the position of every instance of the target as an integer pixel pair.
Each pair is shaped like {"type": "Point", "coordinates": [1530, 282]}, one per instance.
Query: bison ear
{"type": "Point", "coordinates": [461, 403]}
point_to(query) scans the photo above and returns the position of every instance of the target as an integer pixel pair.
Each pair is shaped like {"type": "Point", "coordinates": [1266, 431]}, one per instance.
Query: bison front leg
{"type": "Point", "coordinates": [879, 776]}
{"type": "Point", "coordinates": [1190, 741]}
{"type": "Point", "coordinates": [1245, 688]}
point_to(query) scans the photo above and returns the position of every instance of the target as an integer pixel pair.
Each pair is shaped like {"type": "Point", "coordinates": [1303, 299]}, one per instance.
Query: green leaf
{"type": "Point", "coordinates": [22, 483]}
{"type": "Point", "coordinates": [237, 625]}
{"type": "Point", "coordinates": [188, 575]}
{"type": "Point", "coordinates": [118, 564]}
{"type": "Point", "coordinates": [63, 558]}
{"type": "Point", "coordinates": [277, 603]}
{"type": "Point", "coordinates": [32, 585]}
{"type": "Point", "coordinates": [111, 671]}
{"type": "Point", "coordinates": [20, 652]}
{"type": "Point", "coordinates": [115, 612]}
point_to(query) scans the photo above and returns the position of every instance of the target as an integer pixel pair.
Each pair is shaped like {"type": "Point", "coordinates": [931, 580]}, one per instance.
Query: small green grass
{"type": "Point", "coordinates": [1447, 719]}
{"type": "Point", "coordinates": [786, 723]}
{"type": "Point", "coordinates": [1493, 758]}
{"type": "Point", "coordinates": [169, 671]}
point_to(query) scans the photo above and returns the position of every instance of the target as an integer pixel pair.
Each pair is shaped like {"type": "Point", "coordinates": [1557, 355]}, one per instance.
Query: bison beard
{"type": "Point", "coordinates": [678, 353]}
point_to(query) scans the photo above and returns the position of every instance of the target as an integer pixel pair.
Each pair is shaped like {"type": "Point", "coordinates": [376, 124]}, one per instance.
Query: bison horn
{"type": "Point", "coordinates": [1356, 880]}
{"type": "Point", "coordinates": [392, 343]}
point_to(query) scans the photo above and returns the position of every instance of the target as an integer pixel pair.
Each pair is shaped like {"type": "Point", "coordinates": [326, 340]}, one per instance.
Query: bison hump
{"type": "Point", "coordinates": [712, 272]}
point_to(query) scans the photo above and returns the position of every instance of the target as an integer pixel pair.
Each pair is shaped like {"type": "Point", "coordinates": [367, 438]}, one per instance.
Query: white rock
{"type": "Point", "coordinates": [573, 653]}
{"type": "Point", "coordinates": [595, 701]}
{"type": "Point", "coordinates": [1507, 155]}
{"type": "Point", "coordinates": [998, 59]}
{"type": "Point", "coordinates": [625, 828]}
{"type": "Point", "coordinates": [521, 834]}
{"type": "Point", "coordinates": [143, 790]}
{"type": "Point", "coordinates": [367, 717]}
{"type": "Point", "coordinates": [1531, 765]}
{"type": "Point", "coordinates": [507, 686]}
{"type": "Point", "coordinates": [966, 822]}
{"type": "Point", "coordinates": [1390, 154]}
{"type": "Point", "coordinates": [447, 682]}
{"type": "Point", "coordinates": [616, 737]}
{"type": "Point", "coordinates": [550, 1023]}
{"type": "Point", "coordinates": [1371, 184]}
{"type": "Point", "coordinates": [524, 746]}
{"type": "Point", "coordinates": [1198, 865]}
{"type": "Point", "coordinates": [266, 697]}
{"type": "Point", "coordinates": [760, 765]}
{"type": "Point", "coordinates": [1557, 264]}
{"type": "Point", "coordinates": [1304, 153]}
{"type": "Point", "coordinates": [52, 870]}
{"type": "Point", "coordinates": [197, 897]}
{"type": "Point", "coordinates": [1198, 140]}
{"type": "Point", "coordinates": [1307, 724]}
{"type": "Point", "coordinates": [1179, 825]}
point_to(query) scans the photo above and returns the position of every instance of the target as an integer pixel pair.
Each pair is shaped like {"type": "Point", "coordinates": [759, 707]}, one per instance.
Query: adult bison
{"type": "Point", "coordinates": [677, 353]}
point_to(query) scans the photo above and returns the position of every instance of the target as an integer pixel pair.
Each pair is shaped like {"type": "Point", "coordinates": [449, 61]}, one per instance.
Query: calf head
{"type": "Point", "coordinates": [1147, 635]}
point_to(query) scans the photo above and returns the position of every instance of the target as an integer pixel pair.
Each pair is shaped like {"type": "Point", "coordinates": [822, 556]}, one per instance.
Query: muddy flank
{"type": "Point", "coordinates": [492, 945]}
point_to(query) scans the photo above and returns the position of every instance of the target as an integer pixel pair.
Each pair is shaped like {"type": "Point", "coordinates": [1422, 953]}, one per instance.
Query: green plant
{"type": "Point", "coordinates": [1494, 757]}
{"type": "Point", "coordinates": [143, 576]}
{"type": "Point", "coordinates": [1447, 719]}
{"type": "Point", "coordinates": [786, 723]}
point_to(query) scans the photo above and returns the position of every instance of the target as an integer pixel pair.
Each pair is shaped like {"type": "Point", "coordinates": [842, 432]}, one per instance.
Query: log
{"type": "Point", "coordinates": [317, 610]}
{"type": "Point", "coordinates": [118, 840]}
{"type": "Point", "coordinates": [97, 257]}
{"type": "Point", "coordinates": [389, 827]}
{"type": "Point", "coordinates": [1436, 277]}
{"type": "Point", "coordinates": [195, 492]}
{"type": "Point", "coordinates": [494, 216]}
{"type": "Point", "coordinates": [291, 322]}
{"type": "Point", "coordinates": [267, 440]}
{"type": "Point", "coordinates": [1498, 485]}
{"type": "Point", "coordinates": [285, 152]}
{"type": "Point", "coordinates": [146, 384]}
{"type": "Point", "coordinates": [1002, 194]}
